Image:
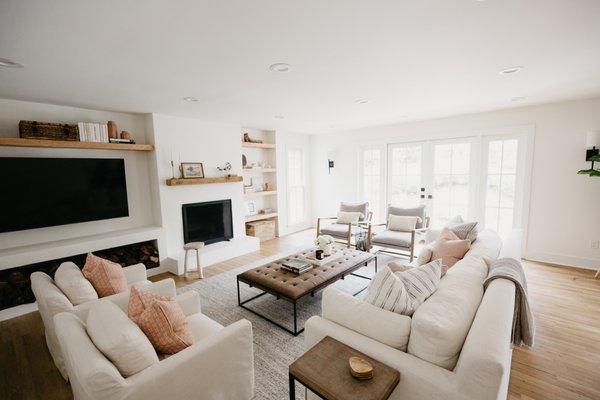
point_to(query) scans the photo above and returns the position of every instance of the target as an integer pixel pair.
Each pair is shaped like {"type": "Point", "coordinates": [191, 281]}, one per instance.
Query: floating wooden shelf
{"type": "Point", "coordinates": [258, 170]}
{"type": "Point", "coordinates": [263, 193]}
{"type": "Point", "coordinates": [68, 144]}
{"type": "Point", "coordinates": [259, 145]}
{"type": "Point", "coordinates": [202, 181]}
{"type": "Point", "coordinates": [260, 217]}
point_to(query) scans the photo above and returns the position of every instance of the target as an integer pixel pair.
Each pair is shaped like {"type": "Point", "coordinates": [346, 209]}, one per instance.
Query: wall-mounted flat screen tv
{"type": "Point", "coordinates": [41, 192]}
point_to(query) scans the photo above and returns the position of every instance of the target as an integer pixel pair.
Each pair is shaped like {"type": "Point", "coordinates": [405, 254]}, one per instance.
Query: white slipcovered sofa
{"type": "Point", "coordinates": [51, 301]}
{"type": "Point", "coordinates": [456, 346]}
{"type": "Point", "coordinates": [219, 365]}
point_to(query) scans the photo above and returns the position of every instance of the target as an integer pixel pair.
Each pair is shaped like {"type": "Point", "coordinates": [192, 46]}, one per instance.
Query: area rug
{"type": "Point", "coordinates": [274, 349]}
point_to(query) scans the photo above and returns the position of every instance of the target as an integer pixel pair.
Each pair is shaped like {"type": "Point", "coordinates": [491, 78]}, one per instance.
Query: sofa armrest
{"type": "Point", "coordinates": [220, 366]}
{"type": "Point", "coordinates": [135, 273]}
{"type": "Point", "coordinates": [384, 326]}
{"type": "Point", "coordinates": [189, 302]}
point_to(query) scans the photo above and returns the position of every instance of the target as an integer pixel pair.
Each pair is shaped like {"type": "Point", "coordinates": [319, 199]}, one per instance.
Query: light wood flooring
{"type": "Point", "coordinates": [564, 364]}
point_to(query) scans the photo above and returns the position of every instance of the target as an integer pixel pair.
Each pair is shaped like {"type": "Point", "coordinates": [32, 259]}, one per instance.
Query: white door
{"type": "Point", "coordinates": [438, 174]}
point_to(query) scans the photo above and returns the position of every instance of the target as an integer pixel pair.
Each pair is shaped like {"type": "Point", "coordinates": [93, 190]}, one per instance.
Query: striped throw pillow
{"type": "Point", "coordinates": [464, 230]}
{"type": "Point", "coordinates": [402, 292]}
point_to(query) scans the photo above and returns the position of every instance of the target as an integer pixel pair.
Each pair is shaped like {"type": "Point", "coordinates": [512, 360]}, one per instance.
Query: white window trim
{"type": "Point", "coordinates": [304, 219]}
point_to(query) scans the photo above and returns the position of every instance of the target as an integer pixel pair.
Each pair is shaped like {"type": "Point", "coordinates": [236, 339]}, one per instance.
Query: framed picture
{"type": "Point", "coordinates": [192, 170]}
{"type": "Point", "coordinates": [251, 207]}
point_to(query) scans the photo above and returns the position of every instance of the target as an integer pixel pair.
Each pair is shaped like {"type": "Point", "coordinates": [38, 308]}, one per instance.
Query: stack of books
{"type": "Point", "coordinates": [93, 132]}
{"type": "Point", "coordinates": [297, 266]}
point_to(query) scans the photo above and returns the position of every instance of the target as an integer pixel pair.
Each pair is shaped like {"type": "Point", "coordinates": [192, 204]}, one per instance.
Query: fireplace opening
{"type": "Point", "coordinates": [208, 222]}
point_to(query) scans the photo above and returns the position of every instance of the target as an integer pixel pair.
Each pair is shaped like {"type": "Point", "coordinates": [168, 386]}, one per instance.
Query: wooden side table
{"type": "Point", "coordinates": [324, 369]}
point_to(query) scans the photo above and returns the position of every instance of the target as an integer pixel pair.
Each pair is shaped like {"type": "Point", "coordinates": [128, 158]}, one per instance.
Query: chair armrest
{"type": "Point", "coordinates": [221, 366]}
{"type": "Point", "coordinates": [135, 273]}
{"type": "Point", "coordinates": [189, 302]}
{"type": "Point", "coordinates": [324, 218]}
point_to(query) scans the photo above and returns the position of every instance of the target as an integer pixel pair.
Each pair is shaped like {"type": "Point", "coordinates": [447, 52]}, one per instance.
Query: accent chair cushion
{"type": "Point", "coordinates": [140, 301]}
{"type": "Point", "coordinates": [166, 326]}
{"type": "Point", "coordinates": [106, 276]}
{"type": "Point", "coordinates": [339, 230]}
{"type": "Point", "coordinates": [449, 248]}
{"type": "Point", "coordinates": [403, 292]}
{"type": "Point", "coordinates": [414, 212]}
{"type": "Point", "coordinates": [393, 238]}
{"type": "Point", "coordinates": [119, 338]}
{"type": "Point", "coordinates": [362, 208]}
{"type": "Point", "coordinates": [383, 326]}
{"type": "Point", "coordinates": [348, 217]}
{"type": "Point", "coordinates": [70, 280]}
{"type": "Point", "coordinates": [402, 223]}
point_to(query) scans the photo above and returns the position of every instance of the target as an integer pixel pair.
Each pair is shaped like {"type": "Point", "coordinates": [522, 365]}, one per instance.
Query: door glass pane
{"type": "Point", "coordinates": [371, 180]}
{"type": "Point", "coordinates": [501, 185]}
{"type": "Point", "coordinates": [451, 181]}
{"type": "Point", "coordinates": [405, 181]}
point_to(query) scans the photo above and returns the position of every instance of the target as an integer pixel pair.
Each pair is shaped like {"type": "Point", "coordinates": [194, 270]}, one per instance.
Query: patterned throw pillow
{"type": "Point", "coordinates": [402, 292]}
{"type": "Point", "coordinates": [464, 230]}
{"type": "Point", "coordinates": [164, 323]}
{"type": "Point", "coordinates": [105, 276]}
{"type": "Point", "coordinates": [140, 301]}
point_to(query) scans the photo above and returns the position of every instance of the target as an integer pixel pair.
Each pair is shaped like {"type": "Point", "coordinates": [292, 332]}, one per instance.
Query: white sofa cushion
{"type": "Point", "coordinates": [70, 280]}
{"type": "Point", "coordinates": [386, 327]}
{"type": "Point", "coordinates": [440, 325]}
{"type": "Point", "coordinates": [119, 338]}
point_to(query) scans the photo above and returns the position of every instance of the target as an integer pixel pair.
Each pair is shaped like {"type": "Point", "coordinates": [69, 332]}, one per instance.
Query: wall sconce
{"type": "Point", "coordinates": [330, 164]}
{"type": "Point", "coordinates": [592, 153]}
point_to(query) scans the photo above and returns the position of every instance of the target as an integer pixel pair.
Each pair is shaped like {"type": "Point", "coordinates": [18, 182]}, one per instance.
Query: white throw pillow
{"type": "Point", "coordinates": [402, 223]}
{"type": "Point", "coordinates": [403, 292]}
{"type": "Point", "coordinates": [72, 283]}
{"type": "Point", "coordinates": [348, 217]}
{"type": "Point", "coordinates": [119, 338]}
{"type": "Point", "coordinates": [424, 255]}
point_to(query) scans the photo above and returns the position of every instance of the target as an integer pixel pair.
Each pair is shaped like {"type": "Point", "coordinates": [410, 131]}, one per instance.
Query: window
{"type": "Point", "coordinates": [501, 185]}
{"type": "Point", "coordinates": [371, 180]}
{"type": "Point", "coordinates": [405, 174]}
{"type": "Point", "coordinates": [296, 187]}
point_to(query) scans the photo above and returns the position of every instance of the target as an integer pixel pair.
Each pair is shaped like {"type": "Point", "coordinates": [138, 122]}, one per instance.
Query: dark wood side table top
{"type": "Point", "coordinates": [324, 369]}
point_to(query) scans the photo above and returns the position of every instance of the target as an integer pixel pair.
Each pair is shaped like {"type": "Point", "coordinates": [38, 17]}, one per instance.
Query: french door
{"type": "Point", "coordinates": [439, 174]}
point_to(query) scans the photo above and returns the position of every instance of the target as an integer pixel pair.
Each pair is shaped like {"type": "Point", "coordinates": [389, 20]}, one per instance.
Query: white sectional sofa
{"type": "Point", "coordinates": [52, 301]}
{"type": "Point", "coordinates": [457, 345]}
{"type": "Point", "coordinates": [219, 365]}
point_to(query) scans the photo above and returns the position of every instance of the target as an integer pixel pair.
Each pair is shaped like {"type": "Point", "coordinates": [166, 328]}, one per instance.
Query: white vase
{"type": "Point", "coordinates": [327, 249]}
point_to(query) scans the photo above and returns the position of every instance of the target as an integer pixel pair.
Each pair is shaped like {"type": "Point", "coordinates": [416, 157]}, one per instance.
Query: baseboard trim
{"type": "Point", "coordinates": [564, 260]}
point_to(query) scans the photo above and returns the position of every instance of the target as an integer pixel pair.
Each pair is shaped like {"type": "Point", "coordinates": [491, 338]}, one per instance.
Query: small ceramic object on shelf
{"type": "Point", "coordinates": [113, 132]}
{"type": "Point", "coordinates": [126, 135]}
{"type": "Point", "coordinates": [247, 139]}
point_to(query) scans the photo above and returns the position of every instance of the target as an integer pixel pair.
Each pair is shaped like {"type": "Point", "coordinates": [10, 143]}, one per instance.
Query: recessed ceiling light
{"type": "Point", "coordinates": [362, 101]}
{"type": "Point", "coordinates": [511, 70]}
{"type": "Point", "coordinates": [192, 99]}
{"type": "Point", "coordinates": [5, 62]}
{"type": "Point", "coordinates": [518, 98]}
{"type": "Point", "coordinates": [279, 117]}
{"type": "Point", "coordinates": [280, 67]}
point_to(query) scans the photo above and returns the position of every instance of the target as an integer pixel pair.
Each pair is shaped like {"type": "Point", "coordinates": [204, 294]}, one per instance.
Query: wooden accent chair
{"type": "Point", "coordinates": [346, 232]}
{"type": "Point", "coordinates": [402, 242]}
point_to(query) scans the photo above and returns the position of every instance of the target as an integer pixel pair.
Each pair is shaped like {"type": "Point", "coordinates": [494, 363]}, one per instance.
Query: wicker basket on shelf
{"type": "Point", "coordinates": [47, 130]}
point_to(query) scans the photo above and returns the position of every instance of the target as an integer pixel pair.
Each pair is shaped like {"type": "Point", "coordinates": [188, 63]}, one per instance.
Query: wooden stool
{"type": "Point", "coordinates": [190, 247]}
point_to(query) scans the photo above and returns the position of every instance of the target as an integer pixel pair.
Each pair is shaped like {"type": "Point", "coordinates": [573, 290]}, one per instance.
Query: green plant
{"type": "Point", "coordinates": [592, 171]}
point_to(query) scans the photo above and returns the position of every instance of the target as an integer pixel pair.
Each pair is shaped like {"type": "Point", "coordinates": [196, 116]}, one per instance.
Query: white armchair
{"type": "Point", "coordinates": [51, 301]}
{"type": "Point", "coordinates": [219, 365]}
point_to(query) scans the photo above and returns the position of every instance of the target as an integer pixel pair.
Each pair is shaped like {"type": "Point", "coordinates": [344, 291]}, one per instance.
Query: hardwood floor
{"type": "Point", "coordinates": [564, 364]}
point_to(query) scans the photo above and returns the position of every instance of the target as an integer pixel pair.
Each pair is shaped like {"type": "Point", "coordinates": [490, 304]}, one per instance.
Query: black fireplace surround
{"type": "Point", "coordinates": [208, 222]}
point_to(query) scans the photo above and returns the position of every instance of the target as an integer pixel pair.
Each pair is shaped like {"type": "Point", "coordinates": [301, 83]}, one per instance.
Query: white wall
{"type": "Point", "coordinates": [288, 141]}
{"type": "Point", "coordinates": [563, 215]}
{"type": "Point", "coordinates": [136, 168]}
{"type": "Point", "coordinates": [191, 140]}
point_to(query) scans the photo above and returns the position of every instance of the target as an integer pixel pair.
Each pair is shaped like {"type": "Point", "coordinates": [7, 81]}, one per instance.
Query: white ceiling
{"type": "Point", "coordinates": [412, 59]}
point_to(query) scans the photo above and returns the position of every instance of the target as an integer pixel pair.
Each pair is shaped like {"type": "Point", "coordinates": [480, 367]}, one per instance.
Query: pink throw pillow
{"type": "Point", "coordinates": [140, 301]}
{"type": "Point", "coordinates": [105, 276]}
{"type": "Point", "coordinates": [449, 248]}
{"type": "Point", "coordinates": [164, 323]}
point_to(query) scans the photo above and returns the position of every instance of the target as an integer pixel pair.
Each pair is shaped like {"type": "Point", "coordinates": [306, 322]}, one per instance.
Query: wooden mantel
{"type": "Point", "coordinates": [72, 144]}
{"type": "Point", "coordinates": [203, 181]}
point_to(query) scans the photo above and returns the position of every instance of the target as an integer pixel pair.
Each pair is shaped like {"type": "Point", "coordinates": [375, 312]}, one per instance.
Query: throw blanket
{"type": "Point", "coordinates": [523, 328]}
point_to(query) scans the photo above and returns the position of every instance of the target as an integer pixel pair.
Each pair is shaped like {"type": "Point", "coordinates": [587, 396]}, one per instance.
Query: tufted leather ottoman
{"type": "Point", "coordinates": [273, 279]}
